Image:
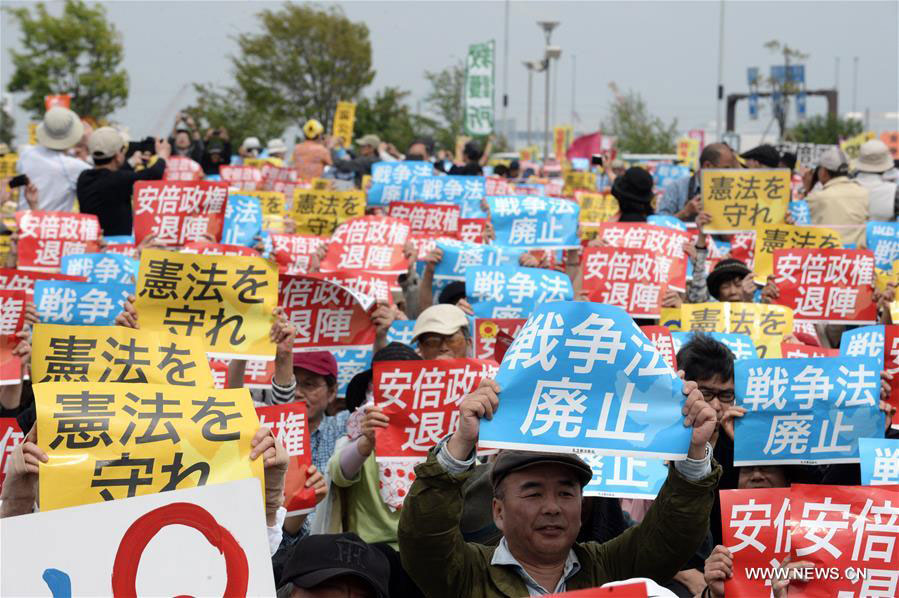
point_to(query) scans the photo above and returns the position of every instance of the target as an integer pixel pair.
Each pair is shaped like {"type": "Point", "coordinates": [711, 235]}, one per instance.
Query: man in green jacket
{"type": "Point", "coordinates": [537, 506]}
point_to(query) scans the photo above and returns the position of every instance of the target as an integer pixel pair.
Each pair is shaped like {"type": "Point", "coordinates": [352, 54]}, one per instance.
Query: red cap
{"type": "Point", "coordinates": [317, 362]}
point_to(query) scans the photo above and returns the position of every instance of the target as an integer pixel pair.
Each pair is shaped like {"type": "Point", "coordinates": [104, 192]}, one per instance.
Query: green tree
{"type": "Point", "coordinates": [445, 100]}
{"type": "Point", "coordinates": [7, 124]}
{"type": "Point", "coordinates": [78, 53]}
{"type": "Point", "coordinates": [228, 107]}
{"type": "Point", "coordinates": [824, 129]}
{"type": "Point", "coordinates": [303, 62]}
{"type": "Point", "coordinates": [638, 131]}
{"type": "Point", "coordinates": [388, 116]}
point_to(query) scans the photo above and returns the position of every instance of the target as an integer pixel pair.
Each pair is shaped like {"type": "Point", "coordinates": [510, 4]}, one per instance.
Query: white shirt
{"type": "Point", "coordinates": [881, 196]}
{"type": "Point", "coordinates": [55, 175]}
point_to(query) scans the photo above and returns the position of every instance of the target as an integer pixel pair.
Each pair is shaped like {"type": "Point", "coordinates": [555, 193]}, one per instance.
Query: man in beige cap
{"type": "Point", "coordinates": [874, 159]}
{"type": "Point", "coordinates": [442, 333]}
{"type": "Point", "coordinates": [361, 164]}
{"type": "Point", "coordinates": [842, 203]}
{"type": "Point", "coordinates": [105, 190]}
{"type": "Point", "coordinates": [48, 167]}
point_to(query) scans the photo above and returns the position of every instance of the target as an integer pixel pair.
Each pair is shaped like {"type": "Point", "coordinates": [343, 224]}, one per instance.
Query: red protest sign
{"type": "Point", "coordinates": [826, 285]}
{"type": "Point", "coordinates": [472, 230]}
{"type": "Point", "coordinates": [10, 437]}
{"type": "Point", "coordinates": [632, 279]}
{"type": "Point", "coordinates": [181, 168]}
{"type": "Point", "coordinates": [742, 247]}
{"type": "Point", "coordinates": [369, 243]}
{"type": "Point", "coordinates": [178, 212]}
{"type": "Point", "coordinates": [239, 175]}
{"type": "Point", "coordinates": [849, 534]}
{"type": "Point", "coordinates": [660, 337]}
{"type": "Point", "coordinates": [288, 423]}
{"type": "Point", "coordinates": [282, 179]}
{"type": "Point", "coordinates": [636, 589]}
{"type": "Point", "coordinates": [486, 331]}
{"type": "Point", "coordinates": [666, 243]}
{"type": "Point", "coordinates": [797, 350]}
{"type": "Point", "coordinates": [258, 373]}
{"type": "Point", "coordinates": [22, 280]}
{"type": "Point", "coordinates": [203, 248]}
{"type": "Point", "coordinates": [61, 100]}
{"type": "Point", "coordinates": [326, 316]}
{"type": "Point", "coordinates": [427, 218]}
{"type": "Point", "coordinates": [755, 526]}
{"type": "Point", "coordinates": [219, 369]}
{"type": "Point", "coordinates": [425, 244]}
{"type": "Point", "coordinates": [368, 287]}
{"type": "Point", "coordinates": [44, 237]}
{"type": "Point", "coordinates": [12, 320]}
{"type": "Point", "coordinates": [292, 252]}
{"type": "Point", "coordinates": [494, 185]}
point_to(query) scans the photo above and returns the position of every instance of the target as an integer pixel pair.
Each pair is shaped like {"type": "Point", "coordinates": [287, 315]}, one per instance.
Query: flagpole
{"type": "Point", "coordinates": [573, 89]}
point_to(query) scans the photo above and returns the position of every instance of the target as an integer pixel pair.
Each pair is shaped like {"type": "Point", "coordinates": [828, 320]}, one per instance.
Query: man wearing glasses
{"type": "Point", "coordinates": [442, 333]}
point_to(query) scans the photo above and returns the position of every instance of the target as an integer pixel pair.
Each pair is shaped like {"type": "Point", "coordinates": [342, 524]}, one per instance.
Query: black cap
{"type": "Point", "coordinates": [358, 386]}
{"type": "Point", "coordinates": [634, 186]}
{"type": "Point", "coordinates": [452, 292]}
{"type": "Point", "coordinates": [723, 271]}
{"type": "Point", "coordinates": [320, 557]}
{"type": "Point", "coordinates": [509, 461]}
{"type": "Point", "coordinates": [764, 154]}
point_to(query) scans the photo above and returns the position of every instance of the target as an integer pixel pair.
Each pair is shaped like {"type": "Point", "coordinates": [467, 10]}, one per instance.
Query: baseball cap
{"type": "Point", "coordinates": [322, 557]}
{"type": "Point", "coordinates": [833, 159]}
{"type": "Point", "coordinates": [105, 142]}
{"type": "Point", "coordinates": [60, 129]}
{"type": "Point", "coordinates": [372, 140]}
{"type": "Point", "coordinates": [317, 362]}
{"type": "Point", "coordinates": [439, 319]}
{"type": "Point", "coordinates": [511, 461]}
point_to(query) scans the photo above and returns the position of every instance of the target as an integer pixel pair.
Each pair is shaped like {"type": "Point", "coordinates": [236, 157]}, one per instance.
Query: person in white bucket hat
{"type": "Point", "coordinates": [53, 172]}
{"type": "Point", "coordinates": [874, 159]}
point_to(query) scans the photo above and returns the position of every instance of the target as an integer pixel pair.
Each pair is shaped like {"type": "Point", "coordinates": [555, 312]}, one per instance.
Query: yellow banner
{"type": "Point", "coordinates": [561, 140]}
{"type": "Point", "coordinates": [32, 133]}
{"type": "Point", "coordinates": [8, 165]}
{"type": "Point", "coordinates": [743, 200]}
{"type": "Point", "coordinates": [273, 209]}
{"type": "Point", "coordinates": [688, 152]}
{"type": "Point", "coordinates": [257, 162]}
{"type": "Point", "coordinates": [109, 441]}
{"type": "Point", "coordinates": [578, 180]}
{"type": "Point", "coordinates": [344, 120]}
{"type": "Point", "coordinates": [320, 211]}
{"type": "Point", "coordinates": [529, 154]}
{"type": "Point", "coordinates": [884, 277]}
{"type": "Point", "coordinates": [765, 324]}
{"type": "Point", "coordinates": [596, 208]}
{"type": "Point", "coordinates": [226, 301]}
{"type": "Point", "coordinates": [850, 146]}
{"type": "Point", "coordinates": [784, 236]}
{"type": "Point", "coordinates": [62, 353]}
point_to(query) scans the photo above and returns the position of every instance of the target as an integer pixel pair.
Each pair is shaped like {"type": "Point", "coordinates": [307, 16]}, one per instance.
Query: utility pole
{"type": "Point", "coordinates": [720, 88]}
{"type": "Point", "coordinates": [573, 87]}
{"type": "Point", "coordinates": [548, 54]}
{"type": "Point", "coordinates": [506, 76]}
{"type": "Point", "coordinates": [855, 84]}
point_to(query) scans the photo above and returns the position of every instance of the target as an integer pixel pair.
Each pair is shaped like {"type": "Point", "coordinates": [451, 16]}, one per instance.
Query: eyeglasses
{"type": "Point", "coordinates": [723, 396]}
{"type": "Point", "coordinates": [435, 341]}
{"type": "Point", "coordinates": [310, 384]}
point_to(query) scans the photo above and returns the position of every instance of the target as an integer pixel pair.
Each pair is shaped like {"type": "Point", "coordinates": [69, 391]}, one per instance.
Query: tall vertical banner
{"type": "Point", "coordinates": [478, 93]}
{"type": "Point", "coordinates": [344, 119]}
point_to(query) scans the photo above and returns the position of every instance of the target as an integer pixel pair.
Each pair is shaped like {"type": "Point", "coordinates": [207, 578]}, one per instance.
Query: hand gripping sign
{"type": "Point", "coordinates": [289, 425]}
{"type": "Point", "coordinates": [176, 212]}
{"type": "Point", "coordinates": [226, 301]}
{"type": "Point", "coordinates": [111, 440]}
{"type": "Point", "coordinates": [582, 376]}
{"type": "Point", "coordinates": [805, 411]}
{"type": "Point", "coordinates": [12, 321]}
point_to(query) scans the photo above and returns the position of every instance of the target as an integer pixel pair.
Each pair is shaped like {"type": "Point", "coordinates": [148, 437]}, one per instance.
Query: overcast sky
{"type": "Point", "coordinates": [666, 51]}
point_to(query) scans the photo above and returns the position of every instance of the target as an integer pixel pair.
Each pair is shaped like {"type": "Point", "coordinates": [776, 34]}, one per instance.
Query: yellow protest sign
{"type": "Point", "coordinates": [578, 180]}
{"type": "Point", "coordinates": [743, 200]}
{"type": "Point", "coordinates": [107, 441]}
{"type": "Point", "coordinates": [366, 182]}
{"type": "Point", "coordinates": [669, 317]}
{"type": "Point", "coordinates": [63, 353]}
{"type": "Point", "coordinates": [344, 120]}
{"type": "Point", "coordinates": [596, 208]}
{"type": "Point", "coordinates": [257, 162]}
{"type": "Point", "coordinates": [8, 165]}
{"type": "Point", "coordinates": [273, 209]}
{"type": "Point", "coordinates": [688, 152]}
{"type": "Point", "coordinates": [784, 236]}
{"type": "Point", "coordinates": [5, 248]}
{"type": "Point", "coordinates": [529, 154]}
{"type": "Point", "coordinates": [765, 324]}
{"type": "Point", "coordinates": [226, 301]}
{"type": "Point", "coordinates": [322, 184]}
{"type": "Point", "coordinates": [320, 211]}
{"type": "Point", "coordinates": [851, 146]}
{"type": "Point", "coordinates": [884, 277]}
{"type": "Point", "coordinates": [32, 133]}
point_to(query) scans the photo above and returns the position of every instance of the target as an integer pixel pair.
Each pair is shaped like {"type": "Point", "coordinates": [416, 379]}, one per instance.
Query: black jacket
{"type": "Point", "coordinates": [107, 194]}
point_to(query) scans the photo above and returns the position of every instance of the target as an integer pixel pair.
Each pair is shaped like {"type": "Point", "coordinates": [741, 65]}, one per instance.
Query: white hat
{"type": "Point", "coordinates": [60, 129]}
{"type": "Point", "coordinates": [443, 319]}
{"type": "Point", "coordinates": [874, 156]}
{"type": "Point", "coordinates": [251, 143]}
{"type": "Point", "coordinates": [105, 142]}
{"type": "Point", "coordinates": [277, 146]}
{"type": "Point", "coordinates": [833, 160]}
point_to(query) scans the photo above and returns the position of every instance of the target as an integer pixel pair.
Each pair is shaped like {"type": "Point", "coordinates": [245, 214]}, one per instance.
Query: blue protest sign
{"type": "Point", "coordinates": [864, 341]}
{"type": "Point", "coordinates": [401, 332]}
{"type": "Point", "coordinates": [390, 180]}
{"type": "Point", "coordinates": [447, 189]}
{"type": "Point", "coordinates": [805, 411]}
{"type": "Point", "coordinates": [799, 210]}
{"type": "Point", "coordinates": [666, 173]}
{"type": "Point", "coordinates": [619, 476]}
{"type": "Point", "coordinates": [513, 292]}
{"type": "Point", "coordinates": [458, 256]}
{"type": "Point", "coordinates": [741, 345]}
{"type": "Point", "coordinates": [582, 376]}
{"type": "Point", "coordinates": [883, 239]}
{"type": "Point", "coordinates": [80, 303]}
{"type": "Point", "coordinates": [349, 363]}
{"type": "Point", "coordinates": [532, 222]}
{"type": "Point", "coordinates": [101, 267]}
{"type": "Point", "coordinates": [879, 461]}
{"type": "Point", "coordinates": [243, 220]}
{"type": "Point", "coordinates": [666, 220]}
{"type": "Point", "coordinates": [119, 239]}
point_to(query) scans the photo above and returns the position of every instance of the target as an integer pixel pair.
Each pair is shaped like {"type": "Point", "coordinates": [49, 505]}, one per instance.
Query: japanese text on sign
{"type": "Point", "coordinates": [178, 212]}
{"type": "Point", "coordinates": [742, 200]}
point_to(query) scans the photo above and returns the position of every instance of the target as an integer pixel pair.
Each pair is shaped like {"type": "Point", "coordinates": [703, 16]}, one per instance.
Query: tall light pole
{"type": "Point", "coordinates": [855, 84]}
{"type": "Point", "coordinates": [720, 89]}
{"type": "Point", "coordinates": [549, 53]}
{"type": "Point", "coordinates": [506, 75]}
{"type": "Point", "coordinates": [531, 66]}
